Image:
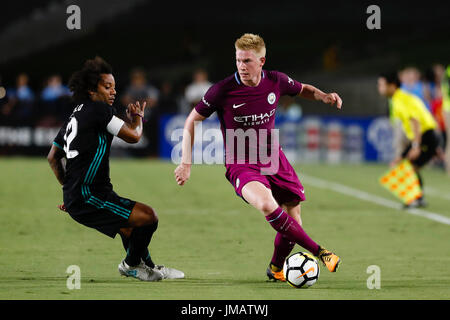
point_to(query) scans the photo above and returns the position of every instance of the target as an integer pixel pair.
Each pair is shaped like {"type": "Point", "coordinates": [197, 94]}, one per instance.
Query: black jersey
{"type": "Point", "coordinates": [86, 142]}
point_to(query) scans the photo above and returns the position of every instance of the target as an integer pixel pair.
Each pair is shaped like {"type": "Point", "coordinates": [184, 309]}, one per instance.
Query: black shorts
{"type": "Point", "coordinates": [106, 213]}
{"type": "Point", "coordinates": [428, 146]}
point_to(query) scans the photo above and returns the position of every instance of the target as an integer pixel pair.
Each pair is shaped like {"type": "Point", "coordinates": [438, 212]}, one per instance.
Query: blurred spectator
{"type": "Point", "coordinates": [197, 88]}
{"type": "Point", "coordinates": [429, 86]}
{"type": "Point", "coordinates": [53, 104]}
{"type": "Point", "coordinates": [54, 89]}
{"type": "Point", "coordinates": [167, 103]}
{"type": "Point", "coordinates": [19, 107]}
{"type": "Point", "coordinates": [410, 79]}
{"type": "Point", "coordinates": [2, 95]}
{"type": "Point", "coordinates": [445, 89]}
{"type": "Point", "coordinates": [330, 58]}
{"type": "Point", "coordinates": [433, 79]}
{"type": "Point", "coordinates": [140, 90]}
{"type": "Point", "coordinates": [289, 109]}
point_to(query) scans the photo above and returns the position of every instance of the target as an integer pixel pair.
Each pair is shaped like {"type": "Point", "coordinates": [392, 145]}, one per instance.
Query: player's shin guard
{"type": "Point", "coordinates": [291, 229]}
{"type": "Point", "coordinates": [138, 243]}
{"type": "Point", "coordinates": [282, 248]}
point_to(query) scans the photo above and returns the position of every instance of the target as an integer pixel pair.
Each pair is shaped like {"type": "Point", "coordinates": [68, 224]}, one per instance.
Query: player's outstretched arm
{"type": "Point", "coordinates": [310, 92]}
{"type": "Point", "coordinates": [131, 131]}
{"type": "Point", "coordinates": [183, 171]}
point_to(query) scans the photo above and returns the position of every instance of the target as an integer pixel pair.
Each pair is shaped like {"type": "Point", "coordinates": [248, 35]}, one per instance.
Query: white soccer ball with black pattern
{"type": "Point", "coordinates": [301, 270]}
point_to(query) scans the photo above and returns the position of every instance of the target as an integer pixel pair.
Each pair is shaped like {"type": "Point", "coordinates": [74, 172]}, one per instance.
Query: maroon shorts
{"type": "Point", "coordinates": [285, 185]}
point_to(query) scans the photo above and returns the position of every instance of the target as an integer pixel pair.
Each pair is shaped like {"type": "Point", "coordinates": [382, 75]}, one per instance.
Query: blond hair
{"type": "Point", "coordinates": [250, 41]}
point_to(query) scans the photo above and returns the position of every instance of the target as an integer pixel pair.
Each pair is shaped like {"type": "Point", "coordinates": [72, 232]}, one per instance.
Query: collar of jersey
{"type": "Point", "coordinates": [238, 78]}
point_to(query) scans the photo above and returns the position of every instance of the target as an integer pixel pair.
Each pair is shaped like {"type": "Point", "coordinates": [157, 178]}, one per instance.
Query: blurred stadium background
{"type": "Point", "coordinates": [155, 49]}
{"type": "Point", "coordinates": [161, 46]}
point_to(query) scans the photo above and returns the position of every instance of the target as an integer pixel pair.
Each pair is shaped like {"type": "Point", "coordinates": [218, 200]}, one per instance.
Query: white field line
{"type": "Point", "coordinates": [343, 189]}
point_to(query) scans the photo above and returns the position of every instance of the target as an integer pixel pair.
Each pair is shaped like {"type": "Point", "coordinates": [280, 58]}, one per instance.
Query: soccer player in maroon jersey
{"type": "Point", "coordinates": [245, 103]}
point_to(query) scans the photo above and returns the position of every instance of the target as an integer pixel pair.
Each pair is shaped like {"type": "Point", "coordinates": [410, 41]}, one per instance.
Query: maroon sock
{"type": "Point", "coordinates": [282, 248]}
{"type": "Point", "coordinates": [291, 229]}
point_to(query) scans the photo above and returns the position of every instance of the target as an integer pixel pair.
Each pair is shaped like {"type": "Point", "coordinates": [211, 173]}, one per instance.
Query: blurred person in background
{"type": "Point", "coordinates": [330, 58]}
{"type": "Point", "coordinates": [54, 89]}
{"type": "Point", "coordinates": [167, 102]}
{"type": "Point", "coordinates": [289, 109]}
{"type": "Point", "coordinates": [417, 123]}
{"type": "Point", "coordinates": [3, 99]}
{"type": "Point", "coordinates": [19, 107]}
{"type": "Point", "coordinates": [197, 88]}
{"type": "Point", "coordinates": [140, 90]}
{"type": "Point", "coordinates": [445, 89]}
{"type": "Point", "coordinates": [430, 91]}
{"type": "Point", "coordinates": [435, 78]}
{"type": "Point", "coordinates": [52, 106]}
{"type": "Point", "coordinates": [410, 79]}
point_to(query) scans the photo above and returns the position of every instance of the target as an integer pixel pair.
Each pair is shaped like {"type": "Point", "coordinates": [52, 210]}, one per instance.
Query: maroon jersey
{"type": "Point", "coordinates": [247, 114]}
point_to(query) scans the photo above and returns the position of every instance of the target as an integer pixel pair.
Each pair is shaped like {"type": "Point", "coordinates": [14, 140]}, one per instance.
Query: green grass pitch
{"type": "Point", "coordinates": [222, 244]}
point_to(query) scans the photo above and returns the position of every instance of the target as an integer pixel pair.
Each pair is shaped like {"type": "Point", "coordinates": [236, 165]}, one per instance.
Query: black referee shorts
{"type": "Point", "coordinates": [428, 146]}
{"type": "Point", "coordinates": [106, 213]}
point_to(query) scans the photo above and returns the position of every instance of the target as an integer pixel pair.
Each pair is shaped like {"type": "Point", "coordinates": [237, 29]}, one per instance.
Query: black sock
{"type": "Point", "coordinates": [148, 259]}
{"type": "Point", "coordinates": [125, 241]}
{"type": "Point", "coordinates": [145, 256]}
{"type": "Point", "coordinates": [138, 243]}
{"type": "Point", "coordinates": [420, 183]}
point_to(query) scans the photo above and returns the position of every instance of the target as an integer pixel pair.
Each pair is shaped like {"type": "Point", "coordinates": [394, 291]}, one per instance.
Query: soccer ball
{"type": "Point", "coordinates": [301, 269]}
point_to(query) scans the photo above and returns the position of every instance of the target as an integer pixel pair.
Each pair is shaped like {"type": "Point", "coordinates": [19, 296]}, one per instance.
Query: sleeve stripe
{"type": "Point", "coordinates": [115, 125]}
{"type": "Point", "coordinates": [57, 145]}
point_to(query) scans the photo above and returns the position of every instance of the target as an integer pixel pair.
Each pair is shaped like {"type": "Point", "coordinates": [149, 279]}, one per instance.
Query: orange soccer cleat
{"type": "Point", "coordinates": [329, 259]}
{"type": "Point", "coordinates": [275, 274]}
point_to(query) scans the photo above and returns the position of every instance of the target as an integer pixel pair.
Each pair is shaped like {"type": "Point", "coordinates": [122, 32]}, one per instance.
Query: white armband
{"type": "Point", "coordinates": [115, 125]}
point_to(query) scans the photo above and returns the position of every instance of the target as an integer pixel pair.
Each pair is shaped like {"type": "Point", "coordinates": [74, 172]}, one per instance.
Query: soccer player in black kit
{"type": "Point", "coordinates": [84, 141]}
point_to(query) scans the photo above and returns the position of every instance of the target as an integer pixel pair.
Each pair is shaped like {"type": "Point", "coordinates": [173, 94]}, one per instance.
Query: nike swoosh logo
{"type": "Point", "coordinates": [310, 269]}
{"type": "Point", "coordinates": [238, 105]}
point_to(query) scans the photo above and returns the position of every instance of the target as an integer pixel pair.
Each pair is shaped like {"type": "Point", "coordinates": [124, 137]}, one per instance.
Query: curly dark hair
{"type": "Point", "coordinates": [391, 78]}
{"type": "Point", "coordinates": [86, 79]}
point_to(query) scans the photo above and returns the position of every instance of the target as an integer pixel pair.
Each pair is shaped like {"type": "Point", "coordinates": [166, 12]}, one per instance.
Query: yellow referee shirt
{"type": "Point", "coordinates": [405, 106]}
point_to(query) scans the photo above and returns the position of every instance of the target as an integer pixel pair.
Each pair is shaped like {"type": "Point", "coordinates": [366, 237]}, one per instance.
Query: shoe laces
{"type": "Point", "coordinates": [325, 255]}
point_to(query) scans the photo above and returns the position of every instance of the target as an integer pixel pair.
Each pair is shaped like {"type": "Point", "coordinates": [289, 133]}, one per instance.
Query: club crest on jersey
{"type": "Point", "coordinates": [271, 98]}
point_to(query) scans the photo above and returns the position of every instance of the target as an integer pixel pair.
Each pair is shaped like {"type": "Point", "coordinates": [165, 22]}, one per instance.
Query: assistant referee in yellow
{"type": "Point", "coordinates": [417, 123]}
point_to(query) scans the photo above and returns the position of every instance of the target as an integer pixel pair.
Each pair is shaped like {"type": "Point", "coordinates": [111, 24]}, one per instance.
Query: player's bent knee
{"type": "Point", "coordinates": [150, 216]}
{"type": "Point", "coordinates": [267, 206]}
{"type": "Point", "coordinates": [143, 215]}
